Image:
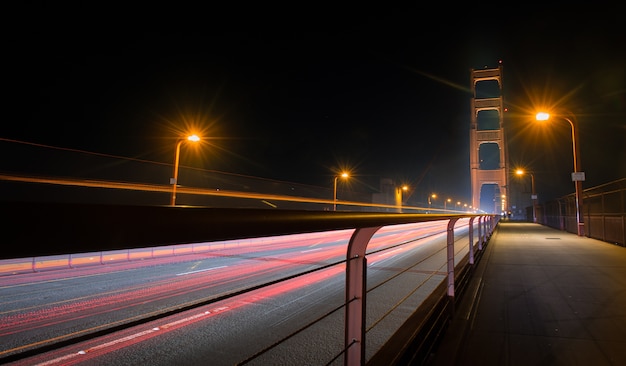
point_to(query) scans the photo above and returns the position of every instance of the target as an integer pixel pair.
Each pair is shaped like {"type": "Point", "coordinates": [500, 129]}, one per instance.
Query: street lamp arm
{"type": "Point", "coordinates": [578, 182]}
{"type": "Point", "coordinates": [343, 175]}
{"type": "Point", "coordinates": [577, 167]}
{"type": "Point", "coordinates": [193, 138]}
{"type": "Point", "coordinates": [175, 175]}
{"type": "Point", "coordinates": [177, 160]}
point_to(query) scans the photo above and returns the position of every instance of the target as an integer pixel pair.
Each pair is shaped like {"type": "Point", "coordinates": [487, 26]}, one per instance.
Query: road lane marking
{"type": "Point", "coordinates": [148, 332]}
{"type": "Point", "coordinates": [200, 270]}
{"type": "Point", "coordinates": [311, 250]}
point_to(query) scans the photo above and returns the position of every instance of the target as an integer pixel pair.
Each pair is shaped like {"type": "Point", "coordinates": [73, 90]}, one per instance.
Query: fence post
{"type": "Point", "coordinates": [450, 252]}
{"type": "Point", "coordinates": [471, 240]}
{"type": "Point", "coordinates": [356, 276]}
{"type": "Point", "coordinates": [480, 232]}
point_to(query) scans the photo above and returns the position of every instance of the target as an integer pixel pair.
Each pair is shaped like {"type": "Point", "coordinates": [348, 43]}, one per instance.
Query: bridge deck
{"type": "Point", "coordinates": [540, 296]}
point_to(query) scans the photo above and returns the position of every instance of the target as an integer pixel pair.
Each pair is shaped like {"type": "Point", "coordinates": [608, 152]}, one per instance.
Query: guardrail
{"type": "Point", "coordinates": [604, 212]}
{"type": "Point", "coordinates": [47, 229]}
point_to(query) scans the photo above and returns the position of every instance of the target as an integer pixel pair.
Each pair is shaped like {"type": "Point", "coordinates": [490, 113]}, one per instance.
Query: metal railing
{"type": "Point", "coordinates": [604, 212]}
{"type": "Point", "coordinates": [47, 229]}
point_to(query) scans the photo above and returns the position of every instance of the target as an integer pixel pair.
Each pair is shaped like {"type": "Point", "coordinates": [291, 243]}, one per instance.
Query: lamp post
{"type": "Point", "coordinates": [445, 203]}
{"type": "Point", "coordinates": [433, 196]}
{"type": "Point", "coordinates": [578, 176]}
{"type": "Point", "coordinates": [343, 175]}
{"type": "Point", "coordinates": [533, 194]}
{"type": "Point", "coordinates": [399, 191]}
{"type": "Point", "coordinates": [174, 181]}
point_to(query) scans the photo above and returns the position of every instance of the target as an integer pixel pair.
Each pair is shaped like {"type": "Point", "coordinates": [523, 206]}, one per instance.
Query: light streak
{"type": "Point", "coordinates": [269, 204]}
{"type": "Point", "coordinates": [144, 187]}
{"type": "Point", "coordinates": [387, 253]}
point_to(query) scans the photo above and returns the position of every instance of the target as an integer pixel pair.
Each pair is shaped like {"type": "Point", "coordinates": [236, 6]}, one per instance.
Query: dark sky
{"type": "Point", "coordinates": [386, 95]}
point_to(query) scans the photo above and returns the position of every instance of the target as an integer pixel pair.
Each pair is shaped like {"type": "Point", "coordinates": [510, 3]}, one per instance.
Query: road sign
{"type": "Point", "coordinates": [578, 176]}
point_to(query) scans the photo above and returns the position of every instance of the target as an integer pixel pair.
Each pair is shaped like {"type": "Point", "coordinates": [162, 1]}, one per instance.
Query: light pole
{"type": "Point", "coordinates": [174, 181]}
{"type": "Point", "coordinates": [578, 176]}
{"type": "Point", "coordinates": [433, 196]}
{"type": "Point", "coordinates": [343, 175]}
{"type": "Point", "coordinates": [445, 203]}
{"type": "Point", "coordinates": [399, 191]}
{"type": "Point", "coordinates": [533, 194]}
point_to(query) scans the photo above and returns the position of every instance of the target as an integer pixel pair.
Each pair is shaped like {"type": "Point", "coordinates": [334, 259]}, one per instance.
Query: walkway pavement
{"type": "Point", "coordinates": [541, 296]}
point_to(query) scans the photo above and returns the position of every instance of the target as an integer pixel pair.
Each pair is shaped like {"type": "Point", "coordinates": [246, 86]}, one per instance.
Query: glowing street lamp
{"type": "Point", "coordinates": [174, 181]}
{"type": "Point", "coordinates": [446, 202]}
{"type": "Point", "coordinates": [343, 175]}
{"type": "Point", "coordinates": [578, 176]}
{"type": "Point", "coordinates": [399, 191]}
{"type": "Point", "coordinates": [533, 194]}
{"type": "Point", "coordinates": [433, 196]}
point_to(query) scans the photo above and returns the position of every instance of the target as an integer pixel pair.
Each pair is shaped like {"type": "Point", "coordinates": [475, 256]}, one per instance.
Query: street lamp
{"type": "Point", "coordinates": [433, 196]}
{"type": "Point", "coordinates": [533, 194]}
{"type": "Point", "coordinates": [445, 203]}
{"type": "Point", "coordinates": [578, 176]}
{"type": "Point", "coordinates": [399, 191]}
{"type": "Point", "coordinates": [174, 181]}
{"type": "Point", "coordinates": [343, 175]}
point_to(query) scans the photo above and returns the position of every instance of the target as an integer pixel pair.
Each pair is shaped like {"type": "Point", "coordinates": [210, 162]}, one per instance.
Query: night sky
{"type": "Point", "coordinates": [386, 95]}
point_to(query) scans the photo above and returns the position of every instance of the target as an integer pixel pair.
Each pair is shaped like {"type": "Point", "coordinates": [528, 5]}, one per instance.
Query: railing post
{"type": "Point", "coordinates": [356, 277]}
{"type": "Point", "coordinates": [480, 232]}
{"type": "Point", "coordinates": [450, 252]}
{"type": "Point", "coordinates": [471, 240]}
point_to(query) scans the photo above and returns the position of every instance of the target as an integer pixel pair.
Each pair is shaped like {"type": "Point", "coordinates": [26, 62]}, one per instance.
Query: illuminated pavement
{"type": "Point", "coordinates": [540, 296]}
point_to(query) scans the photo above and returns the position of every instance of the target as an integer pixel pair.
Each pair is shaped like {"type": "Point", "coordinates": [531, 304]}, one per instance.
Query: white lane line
{"type": "Point", "coordinates": [200, 270]}
{"type": "Point", "coordinates": [311, 250]}
{"type": "Point", "coordinates": [131, 337]}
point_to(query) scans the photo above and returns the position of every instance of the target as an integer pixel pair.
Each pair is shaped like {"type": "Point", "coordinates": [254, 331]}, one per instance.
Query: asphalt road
{"type": "Point", "coordinates": [265, 302]}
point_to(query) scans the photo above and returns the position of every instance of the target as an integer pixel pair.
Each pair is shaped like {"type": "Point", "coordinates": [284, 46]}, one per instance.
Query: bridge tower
{"type": "Point", "coordinates": [488, 150]}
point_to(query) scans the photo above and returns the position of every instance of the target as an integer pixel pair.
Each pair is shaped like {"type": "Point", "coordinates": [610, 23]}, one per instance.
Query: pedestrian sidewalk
{"type": "Point", "coordinates": [540, 296]}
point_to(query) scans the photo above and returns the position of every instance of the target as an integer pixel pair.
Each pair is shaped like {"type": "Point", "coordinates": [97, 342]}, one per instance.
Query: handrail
{"type": "Point", "coordinates": [80, 228]}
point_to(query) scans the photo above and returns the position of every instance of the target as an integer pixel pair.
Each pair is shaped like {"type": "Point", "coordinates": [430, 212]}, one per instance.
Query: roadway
{"type": "Point", "coordinates": [540, 296]}
{"type": "Point", "coordinates": [262, 301]}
